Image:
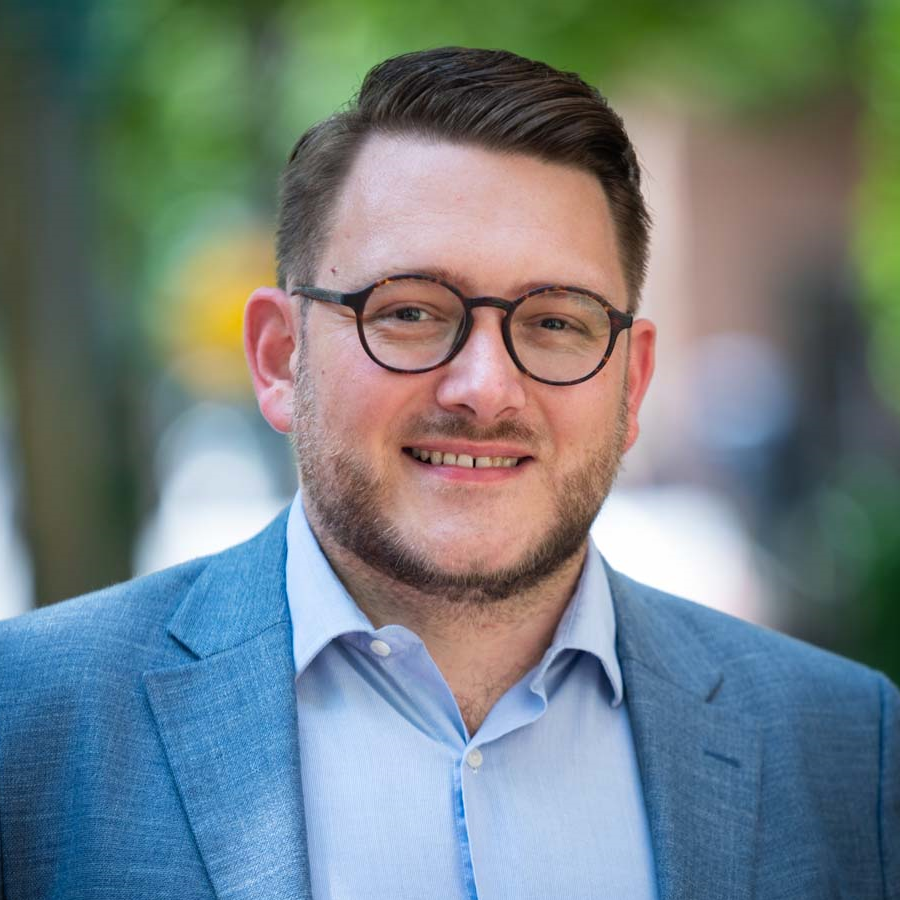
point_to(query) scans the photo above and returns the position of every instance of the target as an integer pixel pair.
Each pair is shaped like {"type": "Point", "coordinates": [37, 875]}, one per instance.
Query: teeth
{"type": "Point", "coordinates": [437, 458]}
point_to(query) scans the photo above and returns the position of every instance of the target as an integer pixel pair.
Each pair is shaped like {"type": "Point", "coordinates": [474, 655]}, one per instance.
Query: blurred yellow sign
{"type": "Point", "coordinates": [205, 324]}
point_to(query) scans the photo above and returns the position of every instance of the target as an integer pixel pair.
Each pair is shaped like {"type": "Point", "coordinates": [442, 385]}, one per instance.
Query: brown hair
{"type": "Point", "coordinates": [490, 98]}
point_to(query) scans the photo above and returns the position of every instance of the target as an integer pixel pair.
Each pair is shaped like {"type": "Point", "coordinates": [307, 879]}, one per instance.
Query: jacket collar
{"type": "Point", "coordinates": [238, 596]}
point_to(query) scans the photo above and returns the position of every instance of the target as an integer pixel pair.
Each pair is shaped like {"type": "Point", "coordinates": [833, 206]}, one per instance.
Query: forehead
{"type": "Point", "coordinates": [498, 221]}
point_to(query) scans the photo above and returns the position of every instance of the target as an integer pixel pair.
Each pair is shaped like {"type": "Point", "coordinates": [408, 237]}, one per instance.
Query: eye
{"type": "Point", "coordinates": [553, 324]}
{"type": "Point", "coordinates": [410, 314]}
{"type": "Point", "coordinates": [559, 325]}
{"type": "Point", "coordinates": [404, 311]}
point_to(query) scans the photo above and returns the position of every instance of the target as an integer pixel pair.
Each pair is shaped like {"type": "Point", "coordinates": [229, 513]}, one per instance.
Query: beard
{"type": "Point", "coordinates": [346, 499]}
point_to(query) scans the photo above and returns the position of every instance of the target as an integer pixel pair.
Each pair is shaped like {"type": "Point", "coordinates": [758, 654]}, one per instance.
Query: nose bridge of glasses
{"type": "Point", "coordinates": [493, 302]}
{"type": "Point", "coordinates": [488, 333]}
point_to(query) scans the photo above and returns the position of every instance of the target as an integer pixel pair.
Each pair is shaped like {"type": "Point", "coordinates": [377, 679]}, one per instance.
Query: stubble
{"type": "Point", "coordinates": [345, 499]}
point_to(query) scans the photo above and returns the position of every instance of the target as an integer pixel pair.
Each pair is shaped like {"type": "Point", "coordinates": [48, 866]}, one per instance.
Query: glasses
{"type": "Point", "coordinates": [415, 323]}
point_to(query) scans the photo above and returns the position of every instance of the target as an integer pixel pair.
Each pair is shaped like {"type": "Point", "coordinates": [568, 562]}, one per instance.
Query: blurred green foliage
{"type": "Point", "coordinates": [875, 637]}
{"type": "Point", "coordinates": [201, 101]}
{"type": "Point", "coordinates": [878, 233]}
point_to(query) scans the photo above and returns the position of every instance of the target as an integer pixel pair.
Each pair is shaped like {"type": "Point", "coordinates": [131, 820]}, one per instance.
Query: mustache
{"type": "Point", "coordinates": [451, 426]}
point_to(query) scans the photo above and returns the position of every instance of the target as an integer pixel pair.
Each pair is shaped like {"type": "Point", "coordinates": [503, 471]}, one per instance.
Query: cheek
{"type": "Point", "coordinates": [338, 356]}
{"type": "Point", "coordinates": [579, 411]}
{"type": "Point", "coordinates": [359, 403]}
{"type": "Point", "coordinates": [586, 420]}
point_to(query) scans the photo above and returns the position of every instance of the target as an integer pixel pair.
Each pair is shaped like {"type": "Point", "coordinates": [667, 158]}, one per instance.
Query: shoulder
{"type": "Point", "coordinates": [826, 730]}
{"type": "Point", "coordinates": [129, 620]}
{"type": "Point", "coordinates": [77, 638]}
{"type": "Point", "coordinates": [106, 640]}
{"type": "Point", "coordinates": [761, 669]}
{"type": "Point", "coordinates": [71, 676]}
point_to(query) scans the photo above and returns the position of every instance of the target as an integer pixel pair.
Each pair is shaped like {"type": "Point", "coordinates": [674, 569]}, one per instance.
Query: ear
{"type": "Point", "coordinates": [641, 360]}
{"type": "Point", "coordinates": [270, 338]}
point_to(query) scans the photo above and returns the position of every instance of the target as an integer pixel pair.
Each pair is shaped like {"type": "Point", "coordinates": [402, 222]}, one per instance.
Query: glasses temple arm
{"type": "Point", "coordinates": [314, 293]}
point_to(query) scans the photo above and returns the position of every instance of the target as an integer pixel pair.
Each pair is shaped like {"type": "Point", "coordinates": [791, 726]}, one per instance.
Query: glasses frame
{"type": "Point", "coordinates": [356, 300]}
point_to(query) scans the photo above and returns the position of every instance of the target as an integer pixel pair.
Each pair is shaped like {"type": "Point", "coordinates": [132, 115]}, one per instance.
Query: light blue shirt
{"type": "Point", "coordinates": [544, 800]}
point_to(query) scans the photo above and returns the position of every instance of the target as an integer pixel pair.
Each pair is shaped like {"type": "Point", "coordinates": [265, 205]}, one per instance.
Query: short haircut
{"type": "Point", "coordinates": [491, 99]}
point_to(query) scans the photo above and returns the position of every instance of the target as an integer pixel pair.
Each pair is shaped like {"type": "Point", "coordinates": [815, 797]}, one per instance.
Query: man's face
{"type": "Point", "coordinates": [492, 224]}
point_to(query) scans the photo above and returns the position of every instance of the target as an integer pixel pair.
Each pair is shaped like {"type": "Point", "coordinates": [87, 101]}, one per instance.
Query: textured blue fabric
{"type": "Point", "coordinates": [537, 817]}
{"type": "Point", "coordinates": [148, 747]}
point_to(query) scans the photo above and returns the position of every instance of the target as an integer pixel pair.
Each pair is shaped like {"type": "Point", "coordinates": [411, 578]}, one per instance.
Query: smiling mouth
{"type": "Point", "coordinates": [463, 460]}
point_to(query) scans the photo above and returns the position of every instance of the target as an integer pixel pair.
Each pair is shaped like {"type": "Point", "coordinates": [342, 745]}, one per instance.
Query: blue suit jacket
{"type": "Point", "coordinates": [148, 747]}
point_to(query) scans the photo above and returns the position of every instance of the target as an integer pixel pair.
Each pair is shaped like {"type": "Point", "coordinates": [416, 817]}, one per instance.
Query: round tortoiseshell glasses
{"type": "Point", "coordinates": [555, 334]}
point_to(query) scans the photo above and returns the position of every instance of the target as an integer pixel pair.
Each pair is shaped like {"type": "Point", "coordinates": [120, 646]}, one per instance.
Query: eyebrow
{"type": "Point", "coordinates": [457, 279]}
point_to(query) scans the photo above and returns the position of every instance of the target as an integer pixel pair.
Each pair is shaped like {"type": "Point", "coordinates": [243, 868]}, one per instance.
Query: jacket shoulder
{"type": "Point", "coordinates": [829, 731]}
{"type": "Point", "coordinates": [761, 667]}
{"type": "Point", "coordinates": [82, 647]}
{"type": "Point", "coordinates": [125, 623]}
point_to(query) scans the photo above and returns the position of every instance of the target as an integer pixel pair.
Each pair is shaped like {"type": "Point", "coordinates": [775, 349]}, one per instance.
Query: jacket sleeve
{"type": "Point", "coordinates": [889, 798]}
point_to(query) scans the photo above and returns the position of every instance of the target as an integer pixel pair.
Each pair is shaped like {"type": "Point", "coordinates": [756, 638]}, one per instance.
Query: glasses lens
{"type": "Point", "coordinates": [560, 335]}
{"type": "Point", "coordinates": [411, 323]}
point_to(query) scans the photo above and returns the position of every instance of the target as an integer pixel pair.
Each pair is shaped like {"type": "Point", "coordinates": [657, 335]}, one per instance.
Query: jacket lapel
{"type": "Point", "coordinates": [228, 722]}
{"type": "Point", "coordinates": [700, 761]}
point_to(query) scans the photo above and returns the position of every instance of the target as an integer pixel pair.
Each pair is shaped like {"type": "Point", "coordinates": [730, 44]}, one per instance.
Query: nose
{"type": "Point", "coordinates": [482, 380]}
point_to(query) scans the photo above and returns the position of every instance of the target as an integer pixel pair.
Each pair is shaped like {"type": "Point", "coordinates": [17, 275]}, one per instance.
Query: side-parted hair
{"type": "Point", "coordinates": [491, 99]}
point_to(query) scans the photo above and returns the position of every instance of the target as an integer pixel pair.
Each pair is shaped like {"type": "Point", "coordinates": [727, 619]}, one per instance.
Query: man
{"type": "Point", "coordinates": [422, 680]}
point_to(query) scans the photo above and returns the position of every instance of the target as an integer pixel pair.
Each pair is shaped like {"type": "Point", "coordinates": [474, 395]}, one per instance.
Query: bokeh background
{"type": "Point", "coordinates": [140, 145]}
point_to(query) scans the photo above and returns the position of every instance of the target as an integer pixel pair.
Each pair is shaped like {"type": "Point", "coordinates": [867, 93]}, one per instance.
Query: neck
{"type": "Point", "coordinates": [481, 646]}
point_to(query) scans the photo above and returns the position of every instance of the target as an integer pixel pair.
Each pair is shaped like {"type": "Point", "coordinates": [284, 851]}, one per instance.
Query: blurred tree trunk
{"type": "Point", "coordinates": [78, 496]}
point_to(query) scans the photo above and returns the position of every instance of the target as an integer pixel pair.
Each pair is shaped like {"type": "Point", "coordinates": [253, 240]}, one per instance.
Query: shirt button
{"type": "Point", "coordinates": [474, 758]}
{"type": "Point", "coordinates": [380, 648]}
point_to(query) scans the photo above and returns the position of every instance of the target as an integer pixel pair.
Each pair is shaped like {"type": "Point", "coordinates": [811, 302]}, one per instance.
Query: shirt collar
{"type": "Point", "coordinates": [589, 623]}
{"type": "Point", "coordinates": [320, 607]}
{"type": "Point", "coordinates": [322, 610]}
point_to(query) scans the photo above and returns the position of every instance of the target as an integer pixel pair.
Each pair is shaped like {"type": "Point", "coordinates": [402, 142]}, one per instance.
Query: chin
{"type": "Point", "coordinates": [468, 564]}
{"type": "Point", "coordinates": [463, 549]}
